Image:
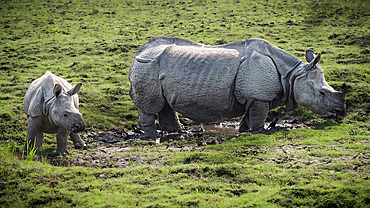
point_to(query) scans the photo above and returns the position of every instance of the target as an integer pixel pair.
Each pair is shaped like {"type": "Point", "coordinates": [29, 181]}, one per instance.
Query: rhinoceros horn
{"type": "Point", "coordinates": [75, 89]}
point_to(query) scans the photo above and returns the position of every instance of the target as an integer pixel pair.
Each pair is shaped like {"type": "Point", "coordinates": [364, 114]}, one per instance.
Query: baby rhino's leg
{"type": "Point", "coordinates": [33, 132]}
{"type": "Point", "coordinates": [62, 136]}
{"type": "Point", "coordinates": [77, 141]}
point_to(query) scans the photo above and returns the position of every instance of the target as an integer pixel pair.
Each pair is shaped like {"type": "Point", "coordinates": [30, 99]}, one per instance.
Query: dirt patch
{"type": "Point", "coordinates": [117, 148]}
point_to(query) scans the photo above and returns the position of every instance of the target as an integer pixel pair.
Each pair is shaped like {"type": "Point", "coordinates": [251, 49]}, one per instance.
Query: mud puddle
{"type": "Point", "coordinates": [118, 148]}
{"type": "Point", "coordinates": [225, 128]}
{"type": "Point", "coordinates": [285, 123]}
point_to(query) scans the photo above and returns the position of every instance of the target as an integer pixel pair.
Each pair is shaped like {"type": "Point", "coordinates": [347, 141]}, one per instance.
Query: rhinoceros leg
{"type": "Point", "coordinates": [255, 118]}
{"type": "Point", "coordinates": [258, 114]}
{"type": "Point", "coordinates": [147, 122]}
{"type": "Point", "coordinates": [244, 124]}
{"type": "Point", "coordinates": [62, 136]}
{"type": "Point", "coordinates": [77, 141]}
{"type": "Point", "coordinates": [168, 119]}
{"type": "Point", "coordinates": [33, 131]}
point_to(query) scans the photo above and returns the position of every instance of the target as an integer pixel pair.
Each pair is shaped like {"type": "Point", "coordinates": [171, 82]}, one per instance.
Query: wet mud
{"type": "Point", "coordinates": [117, 148]}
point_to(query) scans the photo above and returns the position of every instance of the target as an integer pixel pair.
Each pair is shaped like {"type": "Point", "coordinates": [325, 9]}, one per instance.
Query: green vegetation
{"type": "Point", "coordinates": [94, 42]}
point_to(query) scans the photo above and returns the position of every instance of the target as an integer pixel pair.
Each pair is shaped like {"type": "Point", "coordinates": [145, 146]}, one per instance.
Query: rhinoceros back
{"type": "Point", "coordinates": [146, 89]}
{"type": "Point", "coordinates": [198, 81]}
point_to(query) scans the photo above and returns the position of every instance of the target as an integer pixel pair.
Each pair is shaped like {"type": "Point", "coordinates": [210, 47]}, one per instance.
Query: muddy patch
{"type": "Point", "coordinates": [118, 148]}
{"type": "Point", "coordinates": [284, 123]}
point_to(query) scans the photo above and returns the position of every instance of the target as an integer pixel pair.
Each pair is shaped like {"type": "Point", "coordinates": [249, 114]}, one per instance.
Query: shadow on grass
{"type": "Point", "coordinates": [326, 124]}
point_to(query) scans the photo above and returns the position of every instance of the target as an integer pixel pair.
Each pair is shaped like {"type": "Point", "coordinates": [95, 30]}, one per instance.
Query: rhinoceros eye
{"type": "Point", "coordinates": [65, 114]}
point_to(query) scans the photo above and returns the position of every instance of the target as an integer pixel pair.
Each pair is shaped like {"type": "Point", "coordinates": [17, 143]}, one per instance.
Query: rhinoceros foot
{"type": "Point", "coordinates": [63, 153]}
{"type": "Point", "coordinates": [81, 146]}
{"type": "Point", "coordinates": [77, 141]}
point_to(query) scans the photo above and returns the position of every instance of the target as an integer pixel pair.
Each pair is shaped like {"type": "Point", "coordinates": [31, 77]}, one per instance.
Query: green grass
{"type": "Point", "coordinates": [94, 42]}
{"type": "Point", "coordinates": [238, 173]}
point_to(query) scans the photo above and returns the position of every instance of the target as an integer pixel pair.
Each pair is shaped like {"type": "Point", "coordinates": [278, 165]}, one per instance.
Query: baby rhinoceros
{"type": "Point", "coordinates": [51, 105]}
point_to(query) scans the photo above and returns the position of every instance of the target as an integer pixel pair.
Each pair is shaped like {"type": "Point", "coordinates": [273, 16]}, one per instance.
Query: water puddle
{"type": "Point", "coordinates": [231, 128]}
{"type": "Point", "coordinates": [225, 128]}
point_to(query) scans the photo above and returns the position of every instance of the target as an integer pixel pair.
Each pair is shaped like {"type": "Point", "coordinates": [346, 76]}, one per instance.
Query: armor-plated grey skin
{"type": "Point", "coordinates": [212, 83]}
{"type": "Point", "coordinates": [51, 105]}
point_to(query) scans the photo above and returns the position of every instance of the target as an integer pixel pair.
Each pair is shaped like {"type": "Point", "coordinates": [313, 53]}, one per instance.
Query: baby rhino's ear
{"type": "Point", "coordinates": [57, 90]}
{"type": "Point", "coordinates": [75, 89]}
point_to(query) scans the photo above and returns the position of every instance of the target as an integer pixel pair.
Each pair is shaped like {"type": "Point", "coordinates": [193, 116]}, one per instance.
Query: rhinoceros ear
{"type": "Point", "coordinates": [57, 90]}
{"type": "Point", "coordinates": [75, 89]}
{"type": "Point", "coordinates": [316, 60]}
{"type": "Point", "coordinates": [309, 54]}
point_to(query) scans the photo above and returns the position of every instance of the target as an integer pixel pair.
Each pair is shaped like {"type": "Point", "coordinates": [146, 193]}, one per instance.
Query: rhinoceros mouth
{"type": "Point", "coordinates": [336, 113]}
{"type": "Point", "coordinates": [77, 131]}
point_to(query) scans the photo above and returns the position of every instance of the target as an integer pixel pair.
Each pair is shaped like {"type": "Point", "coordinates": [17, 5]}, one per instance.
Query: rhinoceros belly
{"type": "Point", "coordinates": [198, 82]}
{"type": "Point", "coordinates": [203, 106]}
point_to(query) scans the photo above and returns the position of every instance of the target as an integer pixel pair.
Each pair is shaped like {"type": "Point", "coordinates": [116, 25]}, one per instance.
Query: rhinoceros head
{"type": "Point", "coordinates": [64, 112]}
{"type": "Point", "coordinates": [312, 91]}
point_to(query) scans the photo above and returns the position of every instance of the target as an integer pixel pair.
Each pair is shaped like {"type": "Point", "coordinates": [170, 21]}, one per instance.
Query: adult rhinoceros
{"type": "Point", "coordinates": [211, 83]}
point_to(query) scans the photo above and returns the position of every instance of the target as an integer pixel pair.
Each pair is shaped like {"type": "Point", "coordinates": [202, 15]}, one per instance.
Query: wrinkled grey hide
{"type": "Point", "coordinates": [212, 83]}
{"type": "Point", "coordinates": [51, 105]}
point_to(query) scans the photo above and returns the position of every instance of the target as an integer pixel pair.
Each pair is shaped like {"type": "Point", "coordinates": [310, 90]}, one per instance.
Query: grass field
{"type": "Point", "coordinates": [94, 42]}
